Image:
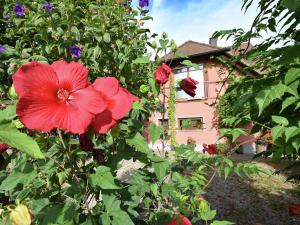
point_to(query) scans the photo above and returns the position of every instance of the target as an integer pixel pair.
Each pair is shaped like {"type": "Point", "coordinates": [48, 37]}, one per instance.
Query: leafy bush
{"type": "Point", "coordinates": [59, 177]}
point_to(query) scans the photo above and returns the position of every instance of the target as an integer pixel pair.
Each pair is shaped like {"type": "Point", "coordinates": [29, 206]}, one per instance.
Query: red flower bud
{"type": "Point", "coordinates": [3, 147]}
{"type": "Point", "coordinates": [188, 85]}
{"type": "Point", "coordinates": [162, 74]}
{"type": "Point", "coordinates": [294, 209]}
{"type": "Point", "coordinates": [85, 143]}
{"type": "Point", "coordinates": [210, 149]}
{"type": "Point", "coordinates": [180, 220]}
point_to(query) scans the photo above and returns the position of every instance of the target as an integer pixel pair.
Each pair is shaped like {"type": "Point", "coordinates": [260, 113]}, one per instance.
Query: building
{"type": "Point", "coordinates": [196, 118]}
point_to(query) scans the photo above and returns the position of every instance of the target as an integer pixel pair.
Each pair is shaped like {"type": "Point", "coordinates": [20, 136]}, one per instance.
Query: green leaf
{"type": "Point", "coordinates": [292, 75]}
{"type": "Point", "coordinates": [105, 219]}
{"type": "Point", "coordinates": [18, 178]}
{"type": "Point", "coordinates": [287, 102]}
{"type": "Point", "coordinates": [106, 38]}
{"type": "Point", "coordinates": [38, 204]}
{"type": "Point", "coordinates": [103, 179]}
{"type": "Point", "coordinates": [155, 132]}
{"type": "Point", "coordinates": [189, 63]}
{"type": "Point", "coordinates": [180, 55]}
{"type": "Point", "coordinates": [76, 32]}
{"type": "Point", "coordinates": [142, 60]}
{"type": "Point", "coordinates": [8, 113]}
{"type": "Point", "coordinates": [280, 120]}
{"type": "Point", "coordinates": [265, 97]}
{"type": "Point", "coordinates": [139, 142]}
{"type": "Point", "coordinates": [277, 132]}
{"type": "Point", "coordinates": [112, 207]}
{"type": "Point", "coordinates": [10, 135]}
{"type": "Point", "coordinates": [217, 222]}
{"type": "Point", "coordinates": [227, 170]}
{"type": "Point", "coordinates": [291, 132]}
{"type": "Point", "coordinates": [160, 169]}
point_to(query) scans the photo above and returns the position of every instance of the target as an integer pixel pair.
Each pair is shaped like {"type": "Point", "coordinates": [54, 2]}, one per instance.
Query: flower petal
{"type": "Point", "coordinates": [72, 76]}
{"type": "Point", "coordinates": [78, 112]}
{"type": "Point", "coordinates": [120, 104]}
{"type": "Point", "coordinates": [108, 86]}
{"type": "Point", "coordinates": [35, 78]}
{"type": "Point", "coordinates": [37, 113]}
{"type": "Point", "coordinates": [103, 122]}
{"type": "Point", "coordinates": [89, 99]}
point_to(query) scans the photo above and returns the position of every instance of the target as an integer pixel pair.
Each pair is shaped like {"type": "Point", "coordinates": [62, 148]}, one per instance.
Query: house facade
{"type": "Point", "coordinates": [196, 117]}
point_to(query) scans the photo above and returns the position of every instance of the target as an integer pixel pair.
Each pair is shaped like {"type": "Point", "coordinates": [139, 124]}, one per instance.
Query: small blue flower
{"type": "Point", "coordinates": [7, 16]}
{"type": "Point", "coordinates": [2, 48]}
{"type": "Point", "coordinates": [75, 51]}
{"type": "Point", "coordinates": [19, 9]}
{"type": "Point", "coordinates": [144, 3]}
{"type": "Point", "coordinates": [48, 6]}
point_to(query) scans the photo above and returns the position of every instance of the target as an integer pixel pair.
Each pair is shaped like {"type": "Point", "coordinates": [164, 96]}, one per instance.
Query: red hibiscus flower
{"type": "Point", "coordinates": [162, 74]}
{"type": "Point", "coordinates": [180, 220]}
{"type": "Point", "coordinates": [189, 86]}
{"type": "Point", "coordinates": [3, 147]}
{"type": "Point", "coordinates": [119, 102]}
{"type": "Point", "coordinates": [56, 96]}
{"type": "Point", "coordinates": [210, 149]}
{"type": "Point", "coordinates": [294, 209]}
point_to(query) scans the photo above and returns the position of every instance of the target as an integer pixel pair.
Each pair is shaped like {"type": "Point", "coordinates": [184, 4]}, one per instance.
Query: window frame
{"type": "Point", "coordinates": [202, 122]}
{"type": "Point", "coordinates": [178, 70]}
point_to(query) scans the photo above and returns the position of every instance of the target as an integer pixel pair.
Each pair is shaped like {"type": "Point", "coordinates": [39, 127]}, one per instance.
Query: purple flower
{"type": "Point", "coordinates": [75, 51]}
{"type": "Point", "coordinates": [19, 9]}
{"type": "Point", "coordinates": [144, 3]}
{"type": "Point", "coordinates": [2, 48]}
{"type": "Point", "coordinates": [7, 16]}
{"type": "Point", "coordinates": [48, 6]}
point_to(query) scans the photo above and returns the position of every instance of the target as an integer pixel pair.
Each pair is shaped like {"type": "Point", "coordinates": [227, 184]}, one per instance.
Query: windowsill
{"type": "Point", "coordinates": [188, 100]}
{"type": "Point", "coordinates": [188, 130]}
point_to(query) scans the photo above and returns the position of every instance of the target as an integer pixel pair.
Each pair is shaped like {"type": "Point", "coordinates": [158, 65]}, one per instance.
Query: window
{"type": "Point", "coordinates": [164, 123]}
{"type": "Point", "coordinates": [191, 123]}
{"type": "Point", "coordinates": [197, 75]}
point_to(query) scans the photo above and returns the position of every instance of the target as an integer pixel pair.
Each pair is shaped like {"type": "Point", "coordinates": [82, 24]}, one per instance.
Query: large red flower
{"type": "Point", "coordinates": [180, 220]}
{"type": "Point", "coordinates": [56, 96]}
{"type": "Point", "coordinates": [119, 102]}
{"type": "Point", "coordinates": [189, 86]}
{"type": "Point", "coordinates": [162, 74]}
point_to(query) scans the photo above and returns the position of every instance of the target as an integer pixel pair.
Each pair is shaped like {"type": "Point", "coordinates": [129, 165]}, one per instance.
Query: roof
{"type": "Point", "coordinates": [193, 48]}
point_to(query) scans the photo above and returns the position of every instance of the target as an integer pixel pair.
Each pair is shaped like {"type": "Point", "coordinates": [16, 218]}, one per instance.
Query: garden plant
{"type": "Point", "coordinates": [76, 89]}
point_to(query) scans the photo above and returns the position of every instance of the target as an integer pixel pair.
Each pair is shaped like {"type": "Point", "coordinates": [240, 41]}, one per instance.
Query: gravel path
{"type": "Point", "coordinates": [259, 200]}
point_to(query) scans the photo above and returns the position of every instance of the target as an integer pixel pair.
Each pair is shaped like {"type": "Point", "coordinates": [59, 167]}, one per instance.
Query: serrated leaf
{"type": "Point", "coordinates": [280, 120]}
{"type": "Point", "coordinates": [11, 136]}
{"type": "Point", "coordinates": [139, 142]}
{"type": "Point", "coordinates": [265, 97]}
{"type": "Point", "coordinates": [103, 178]}
{"type": "Point", "coordinates": [277, 132]}
{"type": "Point", "coordinates": [287, 102]}
{"type": "Point", "coordinates": [291, 132]}
{"type": "Point", "coordinates": [292, 75]}
{"type": "Point", "coordinates": [155, 132]}
{"type": "Point", "coordinates": [160, 169]}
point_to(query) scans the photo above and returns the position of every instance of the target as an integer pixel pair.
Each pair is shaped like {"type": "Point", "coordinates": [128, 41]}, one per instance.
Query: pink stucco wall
{"type": "Point", "coordinates": [213, 74]}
